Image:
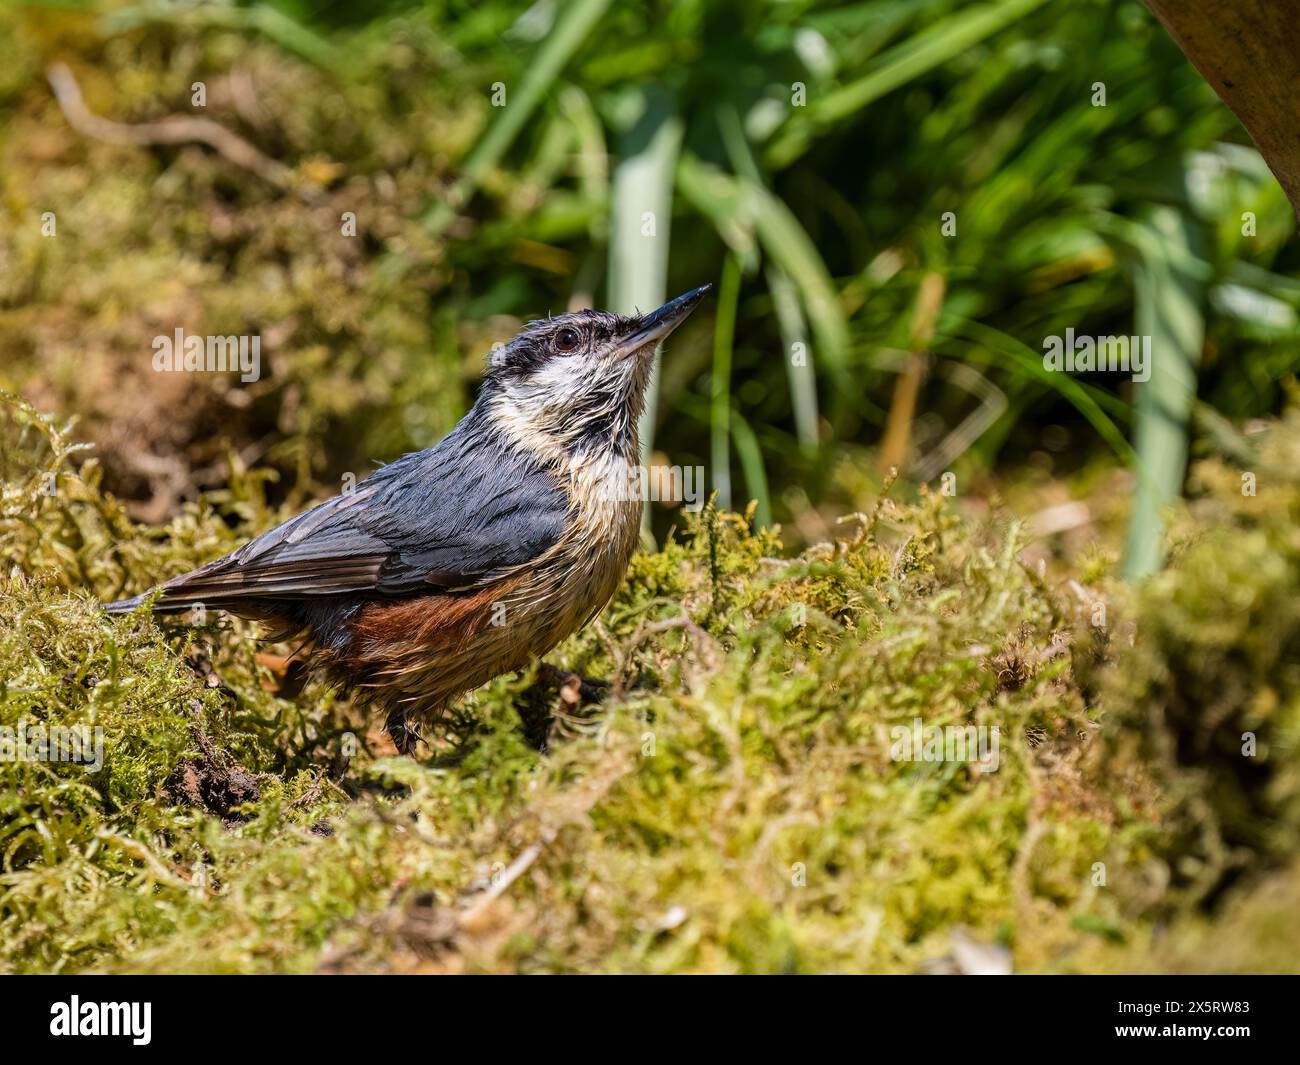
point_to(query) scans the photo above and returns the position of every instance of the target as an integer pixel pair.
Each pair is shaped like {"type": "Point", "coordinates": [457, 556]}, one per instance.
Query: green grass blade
{"type": "Point", "coordinates": [914, 57]}
{"type": "Point", "coordinates": [737, 204]}
{"type": "Point", "coordinates": [571, 28]}
{"type": "Point", "coordinates": [751, 462]}
{"type": "Point", "coordinates": [801, 372]}
{"type": "Point", "coordinates": [641, 223]}
{"type": "Point", "coordinates": [789, 246]}
{"type": "Point", "coordinates": [719, 197]}
{"type": "Point", "coordinates": [724, 335]}
{"type": "Point", "coordinates": [1030, 362]}
{"type": "Point", "coordinates": [1169, 311]}
{"type": "Point", "coordinates": [794, 330]}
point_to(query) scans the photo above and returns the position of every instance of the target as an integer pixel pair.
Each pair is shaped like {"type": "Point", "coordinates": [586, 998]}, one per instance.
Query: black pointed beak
{"type": "Point", "coordinates": [653, 327]}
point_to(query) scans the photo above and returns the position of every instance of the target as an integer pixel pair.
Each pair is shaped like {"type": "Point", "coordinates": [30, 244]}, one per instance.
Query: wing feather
{"type": "Point", "coordinates": [452, 517]}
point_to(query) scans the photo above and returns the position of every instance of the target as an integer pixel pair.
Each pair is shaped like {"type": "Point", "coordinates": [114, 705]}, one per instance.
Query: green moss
{"type": "Point", "coordinates": [741, 775]}
{"type": "Point", "coordinates": [1209, 693]}
{"type": "Point", "coordinates": [734, 807]}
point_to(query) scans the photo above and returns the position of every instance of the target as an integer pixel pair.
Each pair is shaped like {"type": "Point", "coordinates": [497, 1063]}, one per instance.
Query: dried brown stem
{"type": "Point", "coordinates": [176, 129]}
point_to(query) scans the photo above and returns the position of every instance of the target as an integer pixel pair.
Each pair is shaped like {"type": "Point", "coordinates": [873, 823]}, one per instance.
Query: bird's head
{"type": "Point", "coordinates": [577, 382]}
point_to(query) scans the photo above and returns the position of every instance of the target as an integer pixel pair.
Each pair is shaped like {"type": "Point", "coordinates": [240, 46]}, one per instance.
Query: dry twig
{"type": "Point", "coordinates": [176, 129]}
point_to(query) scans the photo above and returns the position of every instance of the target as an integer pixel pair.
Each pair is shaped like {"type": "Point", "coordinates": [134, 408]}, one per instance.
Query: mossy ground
{"type": "Point", "coordinates": [733, 806]}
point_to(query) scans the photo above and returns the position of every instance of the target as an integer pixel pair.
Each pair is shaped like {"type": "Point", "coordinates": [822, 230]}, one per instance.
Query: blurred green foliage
{"type": "Point", "coordinates": [819, 145]}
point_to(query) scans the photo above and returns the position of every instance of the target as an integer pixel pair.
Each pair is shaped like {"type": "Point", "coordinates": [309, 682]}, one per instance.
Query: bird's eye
{"type": "Point", "coordinates": [567, 340]}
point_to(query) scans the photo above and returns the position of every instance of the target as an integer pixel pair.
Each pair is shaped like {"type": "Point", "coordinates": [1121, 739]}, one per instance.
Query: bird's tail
{"type": "Point", "coordinates": [160, 606]}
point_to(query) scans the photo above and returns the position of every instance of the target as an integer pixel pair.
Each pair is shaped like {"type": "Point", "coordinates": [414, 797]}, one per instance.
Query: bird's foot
{"type": "Point", "coordinates": [574, 688]}
{"type": "Point", "coordinates": [399, 730]}
{"type": "Point", "coordinates": [546, 722]}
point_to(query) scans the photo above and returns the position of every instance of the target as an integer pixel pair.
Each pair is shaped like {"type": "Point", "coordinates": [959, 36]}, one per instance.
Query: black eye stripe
{"type": "Point", "coordinates": [540, 341]}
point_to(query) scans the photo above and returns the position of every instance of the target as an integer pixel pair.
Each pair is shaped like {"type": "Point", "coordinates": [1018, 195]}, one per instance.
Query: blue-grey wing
{"type": "Point", "coordinates": [455, 516]}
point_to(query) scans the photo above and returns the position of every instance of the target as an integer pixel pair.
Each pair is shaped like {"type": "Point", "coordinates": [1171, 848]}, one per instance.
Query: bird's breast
{"type": "Point", "coordinates": [443, 644]}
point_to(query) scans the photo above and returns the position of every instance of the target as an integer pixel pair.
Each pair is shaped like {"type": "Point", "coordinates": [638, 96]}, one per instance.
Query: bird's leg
{"type": "Point", "coordinates": [574, 687]}
{"type": "Point", "coordinates": [544, 722]}
{"type": "Point", "coordinates": [399, 730]}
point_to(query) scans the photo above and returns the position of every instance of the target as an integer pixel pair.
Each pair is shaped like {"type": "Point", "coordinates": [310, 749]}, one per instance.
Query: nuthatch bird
{"type": "Point", "coordinates": [450, 566]}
